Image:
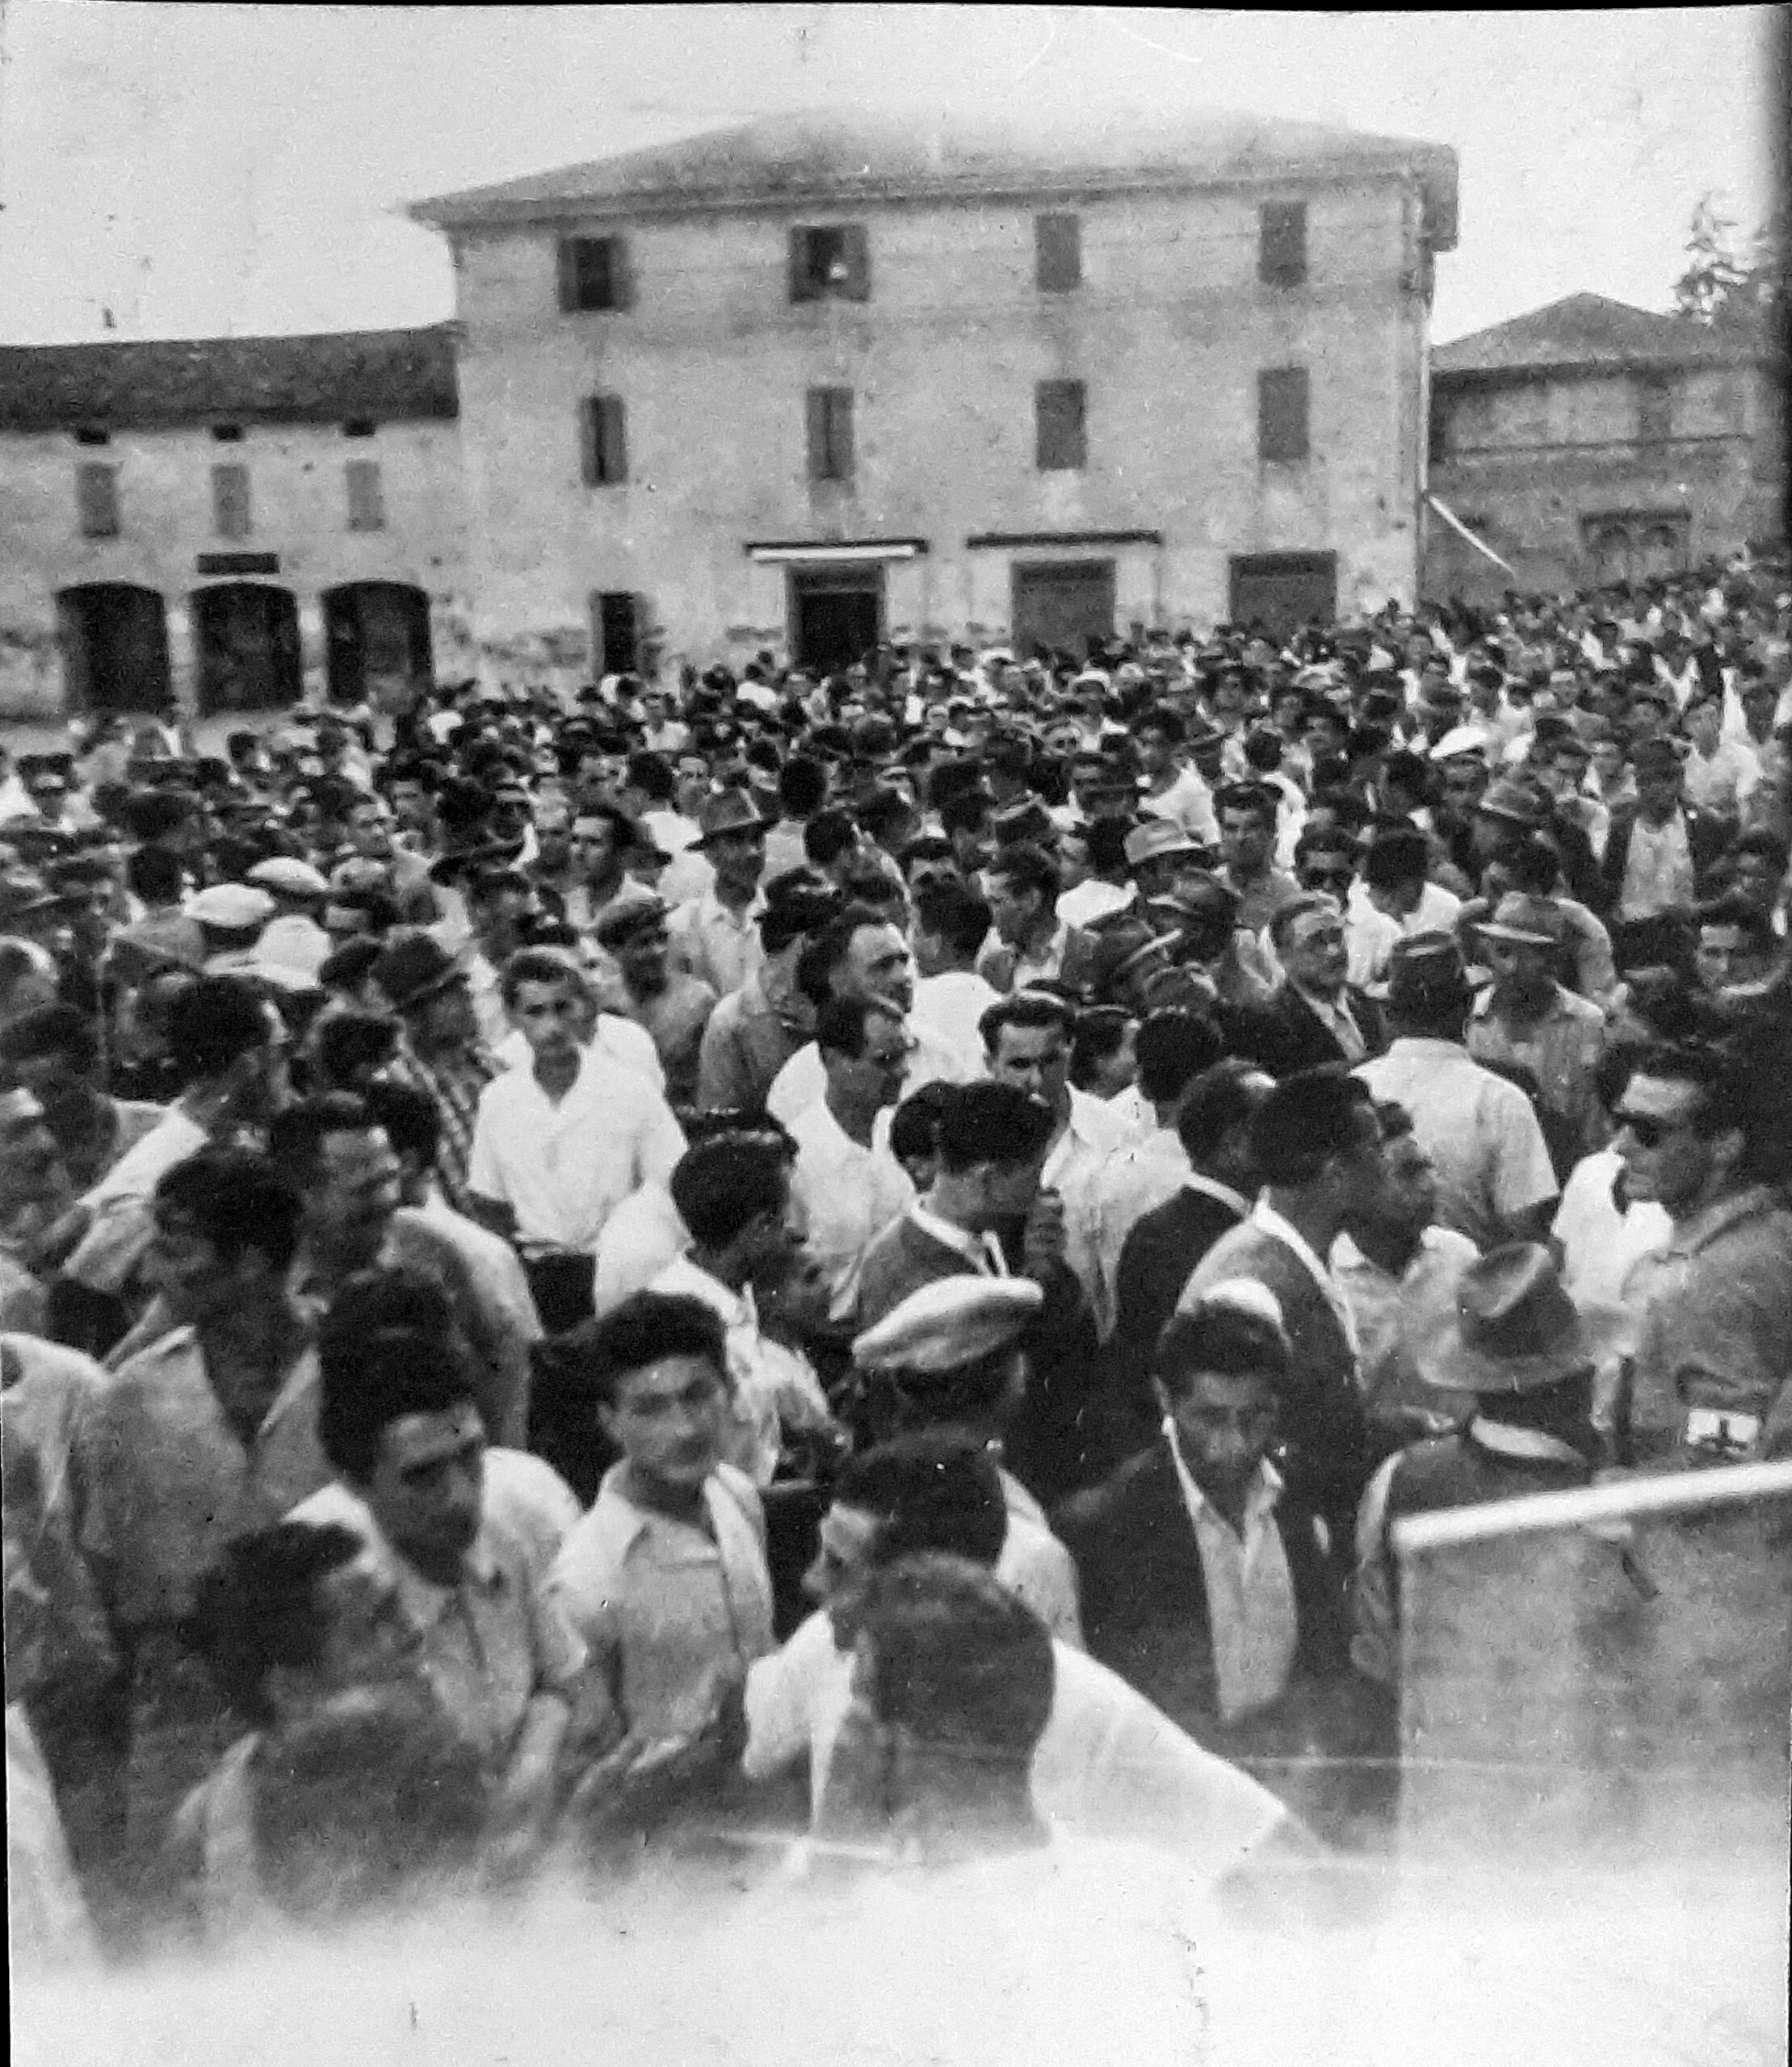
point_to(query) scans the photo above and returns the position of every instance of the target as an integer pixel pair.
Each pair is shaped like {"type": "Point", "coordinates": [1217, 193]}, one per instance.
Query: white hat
{"type": "Point", "coordinates": [235, 907]}
{"type": "Point", "coordinates": [1461, 739]}
{"type": "Point", "coordinates": [951, 1323]}
{"type": "Point", "coordinates": [290, 877]}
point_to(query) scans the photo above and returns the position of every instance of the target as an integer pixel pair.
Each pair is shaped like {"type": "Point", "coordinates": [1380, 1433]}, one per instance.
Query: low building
{"type": "Point", "coordinates": [817, 382]}
{"type": "Point", "coordinates": [1590, 442]}
{"type": "Point", "coordinates": [226, 522]}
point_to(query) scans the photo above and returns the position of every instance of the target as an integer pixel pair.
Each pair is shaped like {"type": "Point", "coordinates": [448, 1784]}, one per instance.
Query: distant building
{"type": "Point", "coordinates": [810, 383]}
{"type": "Point", "coordinates": [1590, 441]}
{"type": "Point", "coordinates": [226, 521]}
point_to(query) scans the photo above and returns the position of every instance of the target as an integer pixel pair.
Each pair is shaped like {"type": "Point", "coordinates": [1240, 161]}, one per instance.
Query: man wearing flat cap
{"type": "Point", "coordinates": [1658, 853]}
{"type": "Point", "coordinates": [951, 1356]}
{"type": "Point", "coordinates": [1508, 1333]}
{"type": "Point", "coordinates": [439, 1050]}
{"type": "Point", "coordinates": [673, 1006]}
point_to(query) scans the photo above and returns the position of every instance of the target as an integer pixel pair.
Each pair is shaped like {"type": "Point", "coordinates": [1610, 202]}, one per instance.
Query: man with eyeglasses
{"type": "Point", "coordinates": [1314, 1016]}
{"type": "Point", "coordinates": [1712, 1380]}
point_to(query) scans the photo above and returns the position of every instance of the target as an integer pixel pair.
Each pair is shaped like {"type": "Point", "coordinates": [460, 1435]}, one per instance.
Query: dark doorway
{"type": "Point", "coordinates": [837, 615]}
{"type": "Point", "coordinates": [1281, 591]}
{"type": "Point", "coordinates": [115, 647]}
{"type": "Point", "coordinates": [618, 616]}
{"type": "Point", "coordinates": [1062, 606]}
{"type": "Point", "coordinates": [247, 636]}
{"type": "Point", "coordinates": [377, 641]}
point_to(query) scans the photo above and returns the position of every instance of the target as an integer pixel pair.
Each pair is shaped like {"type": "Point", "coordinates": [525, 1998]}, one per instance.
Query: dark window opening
{"type": "Point", "coordinates": [1655, 412]}
{"type": "Point", "coordinates": [594, 273]}
{"type": "Point", "coordinates": [1281, 243]}
{"type": "Point", "coordinates": [605, 441]}
{"type": "Point", "coordinates": [830, 433]}
{"type": "Point", "coordinates": [358, 427]}
{"type": "Point", "coordinates": [227, 434]}
{"type": "Point", "coordinates": [831, 261]}
{"type": "Point", "coordinates": [620, 616]}
{"type": "Point", "coordinates": [1437, 433]}
{"type": "Point", "coordinates": [1058, 253]}
{"type": "Point", "coordinates": [92, 434]}
{"type": "Point", "coordinates": [1281, 412]}
{"type": "Point", "coordinates": [1061, 436]}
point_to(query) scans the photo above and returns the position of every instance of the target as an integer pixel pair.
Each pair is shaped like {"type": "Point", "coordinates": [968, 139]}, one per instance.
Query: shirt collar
{"type": "Point", "coordinates": [1720, 1216]}
{"type": "Point", "coordinates": [983, 1252]}
{"type": "Point", "coordinates": [1265, 1487]}
{"type": "Point", "coordinates": [734, 1309]}
{"type": "Point", "coordinates": [1197, 1181]}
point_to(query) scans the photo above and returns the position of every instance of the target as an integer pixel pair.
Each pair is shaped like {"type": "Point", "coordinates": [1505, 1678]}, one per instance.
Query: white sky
{"type": "Point", "coordinates": [205, 169]}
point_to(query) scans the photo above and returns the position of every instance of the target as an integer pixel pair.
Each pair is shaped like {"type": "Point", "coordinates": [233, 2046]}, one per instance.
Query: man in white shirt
{"type": "Point", "coordinates": [1172, 790]}
{"type": "Point", "coordinates": [951, 924]}
{"type": "Point", "coordinates": [1721, 774]}
{"type": "Point", "coordinates": [717, 936]}
{"type": "Point", "coordinates": [850, 1186]}
{"type": "Point", "coordinates": [558, 1146]}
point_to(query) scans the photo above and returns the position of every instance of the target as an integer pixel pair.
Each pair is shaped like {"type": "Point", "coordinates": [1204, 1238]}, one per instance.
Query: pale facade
{"type": "Point", "coordinates": [1203, 398]}
{"type": "Point", "coordinates": [227, 522]}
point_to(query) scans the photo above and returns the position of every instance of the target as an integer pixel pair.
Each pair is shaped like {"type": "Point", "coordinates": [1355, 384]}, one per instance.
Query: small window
{"type": "Point", "coordinates": [1438, 448]}
{"type": "Point", "coordinates": [96, 500]}
{"type": "Point", "coordinates": [367, 507]}
{"type": "Point", "coordinates": [359, 427]}
{"type": "Point", "coordinates": [227, 434]}
{"type": "Point", "coordinates": [1281, 243]}
{"type": "Point", "coordinates": [1655, 412]}
{"type": "Point", "coordinates": [93, 434]}
{"type": "Point", "coordinates": [605, 441]}
{"type": "Point", "coordinates": [619, 619]}
{"type": "Point", "coordinates": [835, 262]}
{"type": "Point", "coordinates": [1059, 408]}
{"type": "Point", "coordinates": [1281, 412]}
{"type": "Point", "coordinates": [1058, 253]}
{"type": "Point", "coordinates": [830, 428]}
{"type": "Point", "coordinates": [593, 274]}
{"type": "Point", "coordinates": [230, 501]}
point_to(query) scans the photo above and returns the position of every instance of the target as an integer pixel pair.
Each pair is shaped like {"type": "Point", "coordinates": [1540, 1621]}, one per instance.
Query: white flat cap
{"type": "Point", "coordinates": [949, 1323]}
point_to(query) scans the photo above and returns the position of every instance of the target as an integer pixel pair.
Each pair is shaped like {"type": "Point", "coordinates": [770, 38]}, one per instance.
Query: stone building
{"type": "Point", "coordinates": [226, 521]}
{"type": "Point", "coordinates": [813, 382]}
{"type": "Point", "coordinates": [1590, 441]}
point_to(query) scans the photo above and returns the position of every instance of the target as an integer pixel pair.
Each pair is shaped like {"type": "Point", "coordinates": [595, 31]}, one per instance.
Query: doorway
{"type": "Point", "coordinates": [248, 639]}
{"type": "Point", "coordinates": [836, 616]}
{"type": "Point", "coordinates": [115, 647]}
{"type": "Point", "coordinates": [377, 641]}
{"type": "Point", "coordinates": [1281, 591]}
{"type": "Point", "coordinates": [1062, 606]}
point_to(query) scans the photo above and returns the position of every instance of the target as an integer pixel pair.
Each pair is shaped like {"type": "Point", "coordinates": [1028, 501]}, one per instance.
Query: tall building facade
{"type": "Point", "coordinates": [813, 383]}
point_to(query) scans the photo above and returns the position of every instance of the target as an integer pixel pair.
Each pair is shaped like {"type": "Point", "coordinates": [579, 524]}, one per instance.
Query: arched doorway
{"type": "Point", "coordinates": [115, 646]}
{"type": "Point", "coordinates": [247, 636]}
{"type": "Point", "coordinates": [377, 641]}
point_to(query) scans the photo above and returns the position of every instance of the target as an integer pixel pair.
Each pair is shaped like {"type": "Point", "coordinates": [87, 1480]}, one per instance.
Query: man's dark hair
{"type": "Point", "coordinates": [935, 1490]}
{"type": "Point", "coordinates": [955, 912]}
{"type": "Point", "coordinates": [914, 1125]}
{"type": "Point", "coordinates": [1030, 1009]}
{"type": "Point", "coordinates": [1105, 837]}
{"type": "Point", "coordinates": [52, 1029]}
{"type": "Point", "coordinates": [154, 873]}
{"type": "Point", "coordinates": [1214, 1336]}
{"type": "Point", "coordinates": [1100, 1031]}
{"type": "Point", "coordinates": [538, 965]}
{"type": "Point", "coordinates": [295, 1138]}
{"type": "Point", "coordinates": [374, 1376]}
{"type": "Point", "coordinates": [1254, 798]}
{"type": "Point", "coordinates": [957, 1660]}
{"type": "Point", "coordinates": [1398, 854]}
{"type": "Point", "coordinates": [840, 1025]}
{"type": "Point", "coordinates": [925, 847]}
{"type": "Point", "coordinates": [827, 836]}
{"type": "Point", "coordinates": [236, 1200]}
{"type": "Point", "coordinates": [352, 1044]}
{"type": "Point", "coordinates": [214, 1025]}
{"type": "Point", "coordinates": [1216, 1101]}
{"type": "Point", "coordinates": [721, 1185]}
{"type": "Point", "coordinates": [991, 1123]}
{"type": "Point", "coordinates": [965, 810]}
{"type": "Point", "coordinates": [1305, 1122]}
{"type": "Point", "coordinates": [1029, 868]}
{"type": "Point", "coordinates": [258, 1608]}
{"type": "Point", "coordinates": [1158, 718]}
{"type": "Point", "coordinates": [348, 967]}
{"type": "Point", "coordinates": [802, 785]}
{"type": "Point", "coordinates": [1174, 1046]}
{"type": "Point", "coordinates": [411, 1119]}
{"type": "Point", "coordinates": [882, 811]}
{"type": "Point", "coordinates": [645, 1329]}
{"type": "Point", "coordinates": [651, 774]}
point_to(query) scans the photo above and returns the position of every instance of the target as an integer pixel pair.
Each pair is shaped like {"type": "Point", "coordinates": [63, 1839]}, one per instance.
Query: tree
{"type": "Point", "coordinates": [1731, 282]}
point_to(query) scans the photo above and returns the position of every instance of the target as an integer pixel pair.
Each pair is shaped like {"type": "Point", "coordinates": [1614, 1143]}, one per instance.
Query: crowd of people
{"type": "Point", "coordinates": [872, 1256]}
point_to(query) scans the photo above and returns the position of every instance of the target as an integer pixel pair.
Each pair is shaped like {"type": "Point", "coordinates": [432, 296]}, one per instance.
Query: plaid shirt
{"type": "Point", "coordinates": [455, 1085]}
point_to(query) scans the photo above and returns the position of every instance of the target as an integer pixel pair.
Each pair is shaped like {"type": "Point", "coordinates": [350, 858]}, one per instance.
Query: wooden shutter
{"type": "Point", "coordinates": [803, 285]}
{"type": "Point", "coordinates": [856, 249]}
{"type": "Point", "coordinates": [1281, 243]}
{"type": "Point", "coordinates": [1061, 440]}
{"type": "Point", "coordinates": [830, 433]}
{"type": "Point", "coordinates": [96, 500]}
{"type": "Point", "coordinates": [612, 440]}
{"type": "Point", "coordinates": [622, 273]}
{"type": "Point", "coordinates": [230, 515]}
{"type": "Point", "coordinates": [366, 504]}
{"type": "Point", "coordinates": [1655, 410]}
{"type": "Point", "coordinates": [567, 265]}
{"type": "Point", "coordinates": [1058, 253]}
{"type": "Point", "coordinates": [590, 434]}
{"type": "Point", "coordinates": [1281, 433]}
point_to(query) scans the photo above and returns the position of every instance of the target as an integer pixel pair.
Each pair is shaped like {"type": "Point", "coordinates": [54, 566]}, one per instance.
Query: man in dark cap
{"type": "Point", "coordinates": [1658, 857]}
{"type": "Point", "coordinates": [673, 1006]}
{"type": "Point", "coordinates": [754, 1031]}
{"type": "Point", "coordinates": [439, 1050]}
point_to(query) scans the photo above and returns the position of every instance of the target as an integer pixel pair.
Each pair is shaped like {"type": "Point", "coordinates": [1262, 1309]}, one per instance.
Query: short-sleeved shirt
{"type": "Point", "coordinates": [1482, 1136]}
{"type": "Point", "coordinates": [563, 1168]}
{"type": "Point", "coordinates": [107, 1255]}
{"type": "Point", "coordinates": [660, 1604]}
{"type": "Point", "coordinates": [1561, 1048]}
{"type": "Point", "coordinates": [850, 1193]}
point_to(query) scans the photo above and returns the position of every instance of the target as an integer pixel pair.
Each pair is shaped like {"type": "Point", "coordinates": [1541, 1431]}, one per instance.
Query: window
{"type": "Point", "coordinates": [1439, 432]}
{"type": "Point", "coordinates": [230, 501]}
{"type": "Point", "coordinates": [367, 507]}
{"type": "Point", "coordinates": [618, 617]}
{"type": "Point", "coordinates": [830, 429]}
{"type": "Point", "coordinates": [1281, 243]}
{"type": "Point", "coordinates": [93, 434]}
{"type": "Point", "coordinates": [1058, 253]}
{"type": "Point", "coordinates": [1282, 414]}
{"type": "Point", "coordinates": [358, 427]}
{"type": "Point", "coordinates": [1655, 412]}
{"type": "Point", "coordinates": [832, 262]}
{"type": "Point", "coordinates": [96, 500]}
{"type": "Point", "coordinates": [593, 274]}
{"type": "Point", "coordinates": [227, 434]}
{"type": "Point", "coordinates": [1060, 439]}
{"type": "Point", "coordinates": [605, 441]}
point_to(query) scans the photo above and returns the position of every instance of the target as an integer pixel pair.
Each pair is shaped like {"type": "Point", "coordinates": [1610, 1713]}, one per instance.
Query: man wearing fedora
{"type": "Point", "coordinates": [1510, 1334]}
{"type": "Point", "coordinates": [439, 1050]}
{"type": "Point", "coordinates": [717, 936]}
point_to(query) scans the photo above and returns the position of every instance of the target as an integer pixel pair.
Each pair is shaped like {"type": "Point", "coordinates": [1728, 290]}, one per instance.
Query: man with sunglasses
{"type": "Point", "coordinates": [1712, 1380]}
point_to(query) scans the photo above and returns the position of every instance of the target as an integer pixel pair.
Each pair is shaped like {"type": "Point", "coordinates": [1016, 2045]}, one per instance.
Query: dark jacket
{"type": "Point", "coordinates": [1286, 1035]}
{"type": "Point", "coordinates": [1144, 1595]}
{"type": "Point", "coordinates": [1159, 1256]}
{"type": "Point", "coordinates": [1706, 838]}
